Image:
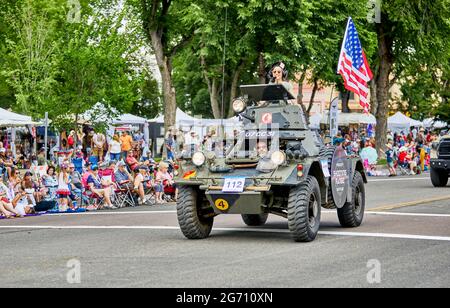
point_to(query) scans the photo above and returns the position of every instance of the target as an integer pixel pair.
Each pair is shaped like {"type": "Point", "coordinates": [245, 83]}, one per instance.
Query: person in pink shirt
{"type": "Point", "coordinates": [165, 178]}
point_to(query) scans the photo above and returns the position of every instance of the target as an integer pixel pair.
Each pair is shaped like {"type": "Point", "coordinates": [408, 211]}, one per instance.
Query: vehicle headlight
{"type": "Point", "coordinates": [198, 159]}
{"type": "Point", "coordinates": [278, 158]}
{"type": "Point", "coordinates": [239, 105]}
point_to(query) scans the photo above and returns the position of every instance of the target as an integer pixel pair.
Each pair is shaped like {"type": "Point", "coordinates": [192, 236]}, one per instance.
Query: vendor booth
{"type": "Point", "coordinates": [186, 123]}
{"type": "Point", "coordinates": [401, 123]}
{"type": "Point", "coordinates": [13, 122]}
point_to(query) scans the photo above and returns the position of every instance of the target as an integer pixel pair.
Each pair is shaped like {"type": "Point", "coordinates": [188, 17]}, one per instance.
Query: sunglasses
{"type": "Point", "coordinates": [277, 72]}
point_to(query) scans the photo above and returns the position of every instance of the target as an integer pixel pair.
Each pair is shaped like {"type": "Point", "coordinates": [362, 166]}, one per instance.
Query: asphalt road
{"type": "Point", "coordinates": [403, 242]}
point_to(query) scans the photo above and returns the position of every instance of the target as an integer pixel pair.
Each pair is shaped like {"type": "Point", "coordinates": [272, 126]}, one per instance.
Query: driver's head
{"type": "Point", "coordinates": [261, 148]}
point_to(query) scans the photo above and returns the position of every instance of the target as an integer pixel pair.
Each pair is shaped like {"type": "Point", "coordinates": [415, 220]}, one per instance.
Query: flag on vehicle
{"type": "Point", "coordinates": [353, 66]}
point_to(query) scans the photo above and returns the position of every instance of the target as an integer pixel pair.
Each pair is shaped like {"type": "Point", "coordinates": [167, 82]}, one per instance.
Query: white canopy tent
{"type": "Point", "coordinates": [12, 119]}
{"type": "Point", "coordinates": [132, 119]}
{"type": "Point", "coordinates": [199, 125]}
{"type": "Point", "coordinates": [180, 116]}
{"type": "Point", "coordinates": [400, 122]}
{"type": "Point", "coordinates": [345, 119]}
{"type": "Point", "coordinates": [98, 112]}
{"type": "Point", "coordinates": [314, 121]}
{"type": "Point", "coordinates": [432, 123]}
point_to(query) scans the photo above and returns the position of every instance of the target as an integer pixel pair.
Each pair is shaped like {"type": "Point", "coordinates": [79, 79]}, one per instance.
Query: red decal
{"type": "Point", "coordinates": [266, 118]}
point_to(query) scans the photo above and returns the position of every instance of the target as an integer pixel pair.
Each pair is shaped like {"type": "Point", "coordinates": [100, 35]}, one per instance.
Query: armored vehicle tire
{"type": "Point", "coordinates": [254, 219]}
{"type": "Point", "coordinates": [327, 153]}
{"type": "Point", "coordinates": [304, 210]}
{"type": "Point", "coordinates": [439, 179]}
{"type": "Point", "coordinates": [352, 213]}
{"type": "Point", "coordinates": [191, 223]}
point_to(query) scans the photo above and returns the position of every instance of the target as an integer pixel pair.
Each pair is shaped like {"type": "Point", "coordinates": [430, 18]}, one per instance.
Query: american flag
{"type": "Point", "coordinates": [353, 66]}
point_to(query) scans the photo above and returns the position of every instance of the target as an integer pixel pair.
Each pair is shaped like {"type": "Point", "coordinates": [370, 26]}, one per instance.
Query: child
{"type": "Point", "coordinates": [390, 160]}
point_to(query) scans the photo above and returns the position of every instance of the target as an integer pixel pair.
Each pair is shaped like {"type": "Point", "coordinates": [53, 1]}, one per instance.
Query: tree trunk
{"type": "Point", "coordinates": [345, 100]}
{"type": "Point", "coordinates": [213, 90]}
{"type": "Point", "coordinates": [311, 100]}
{"type": "Point", "coordinates": [382, 87]}
{"type": "Point", "coordinates": [214, 96]}
{"type": "Point", "coordinates": [165, 67]}
{"type": "Point", "coordinates": [300, 95]}
{"type": "Point", "coordinates": [234, 87]}
{"type": "Point", "coordinates": [261, 68]}
{"type": "Point", "coordinates": [373, 96]}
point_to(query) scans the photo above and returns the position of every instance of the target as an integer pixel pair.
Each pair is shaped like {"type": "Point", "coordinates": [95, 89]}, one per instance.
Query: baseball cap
{"type": "Point", "coordinates": [94, 168]}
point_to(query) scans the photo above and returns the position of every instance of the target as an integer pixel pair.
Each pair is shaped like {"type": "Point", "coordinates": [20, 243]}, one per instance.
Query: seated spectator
{"type": "Point", "coordinates": [107, 176]}
{"type": "Point", "coordinates": [23, 203]}
{"type": "Point", "coordinates": [164, 177]}
{"type": "Point", "coordinates": [95, 185]}
{"type": "Point", "coordinates": [76, 185]}
{"type": "Point", "coordinates": [140, 182]}
{"type": "Point", "coordinates": [147, 157]}
{"type": "Point", "coordinates": [6, 207]}
{"type": "Point", "coordinates": [7, 211]}
{"type": "Point", "coordinates": [31, 187]}
{"type": "Point", "coordinates": [14, 181]}
{"type": "Point", "coordinates": [122, 175]}
{"type": "Point", "coordinates": [132, 161]}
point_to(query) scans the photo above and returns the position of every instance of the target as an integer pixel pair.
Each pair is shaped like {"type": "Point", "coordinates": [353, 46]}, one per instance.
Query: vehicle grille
{"type": "Point", "coordinates": [444, 150]}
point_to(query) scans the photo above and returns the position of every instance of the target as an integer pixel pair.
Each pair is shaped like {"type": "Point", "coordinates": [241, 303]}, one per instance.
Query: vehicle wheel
{"type": "Point", "coordinates": [327, 153]}
{"type": "Point", "coordinates": [304, 210]}
{"type": "Point", "coordinates": [438, 179]}
{"type": "Point", "coordinates": [254, 219]}
{"type": "Point", "coordinates": [352, 213]}
{"type": "Point", "coordinates": [192, 224]}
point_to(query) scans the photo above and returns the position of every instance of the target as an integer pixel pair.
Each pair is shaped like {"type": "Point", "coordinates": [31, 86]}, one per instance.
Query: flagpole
{"type": "Point", "coordinates": [343, 44]}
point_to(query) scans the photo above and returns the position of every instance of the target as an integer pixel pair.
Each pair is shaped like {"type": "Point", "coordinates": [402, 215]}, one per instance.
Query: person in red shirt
{"type": "Point", "coordinates": [71, 140]}
{"type": "Point", "coordinates": [402, 157]}
{"type": "Point", "coordinates": [132, 162]}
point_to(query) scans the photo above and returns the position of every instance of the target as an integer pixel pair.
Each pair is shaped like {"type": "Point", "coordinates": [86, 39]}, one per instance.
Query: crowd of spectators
{"type": "Point", "coordinates": [80, 180]}
{"type": "Point", "coordinates": [408, 153]}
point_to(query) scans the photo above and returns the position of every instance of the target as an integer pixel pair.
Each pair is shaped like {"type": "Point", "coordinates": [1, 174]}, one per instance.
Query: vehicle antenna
{"type": "Point", "coordinates": [222, 128]}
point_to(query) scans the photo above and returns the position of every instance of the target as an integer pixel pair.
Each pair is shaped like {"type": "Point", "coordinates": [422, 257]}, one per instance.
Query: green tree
{"type": "Point", "coordinates": [150, 103]}
{"type": "Point", "coordinates": [167, 31]}
{"type": "Point", "coordinates": [65, 66]}
{"type": "Point", "coordinates": [412, 35]}
{"type": "Point", "coordinates": [32, 58]}
{"type": "Point", "coordinates": [96, 67]}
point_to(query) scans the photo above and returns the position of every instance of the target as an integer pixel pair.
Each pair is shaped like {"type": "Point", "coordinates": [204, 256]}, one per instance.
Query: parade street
{"type": "Point", "coordinates": [406, 232]}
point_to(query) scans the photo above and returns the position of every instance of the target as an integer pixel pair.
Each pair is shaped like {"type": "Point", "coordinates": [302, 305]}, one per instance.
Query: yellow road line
{"type": "Point", "coordinates": [411, 203]}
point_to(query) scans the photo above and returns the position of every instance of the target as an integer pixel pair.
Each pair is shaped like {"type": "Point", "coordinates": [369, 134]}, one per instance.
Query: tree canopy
{"type": "Point", "coordinates": [65, 64]}
{"type": "Point", "coordinates": [205, 50]}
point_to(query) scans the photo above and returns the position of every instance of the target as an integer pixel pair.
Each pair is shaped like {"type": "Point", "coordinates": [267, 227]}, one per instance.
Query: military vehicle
{"type": "Point", "coordinates": [277, 165]}
{"type": "Point", "coordinates": [440, 166]}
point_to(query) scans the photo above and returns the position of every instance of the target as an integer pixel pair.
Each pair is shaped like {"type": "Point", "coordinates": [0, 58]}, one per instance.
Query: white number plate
{"type": "Point", "coordinates": [235, 185]}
